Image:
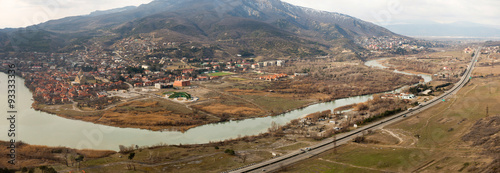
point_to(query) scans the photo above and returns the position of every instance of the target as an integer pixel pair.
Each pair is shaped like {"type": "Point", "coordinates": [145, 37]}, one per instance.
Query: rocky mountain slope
{"type": "Point", "coordinates": [262, 27]}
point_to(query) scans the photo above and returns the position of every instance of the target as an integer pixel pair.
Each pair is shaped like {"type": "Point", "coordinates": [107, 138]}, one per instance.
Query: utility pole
{"type": "Point", "coordinates": [334, 143]}
{"type": "Point", "coordinates": [487, 111]}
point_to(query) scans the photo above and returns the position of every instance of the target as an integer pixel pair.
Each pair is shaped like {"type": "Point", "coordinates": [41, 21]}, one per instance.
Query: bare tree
{"type": "Point", "coordinates": [243, 157]}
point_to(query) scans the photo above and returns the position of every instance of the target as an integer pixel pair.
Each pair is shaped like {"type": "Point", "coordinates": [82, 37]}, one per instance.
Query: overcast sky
{"type": "Point", "coordinates": [21, 13]}
{"type": "Point", "coordinates": [385, 12]}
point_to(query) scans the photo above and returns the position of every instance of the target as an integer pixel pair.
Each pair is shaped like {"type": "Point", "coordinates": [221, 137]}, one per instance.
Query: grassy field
{"type": "Point", "coordinates": [153, 105]}
{"type": "Point", "coordinates": [194, 158]}
{"type": "Point", "coordinates": [275, 104]}
{"type": "Point", "coordinates": [431, 140]}
{"type": "Point", "coordinates": [220, 74]}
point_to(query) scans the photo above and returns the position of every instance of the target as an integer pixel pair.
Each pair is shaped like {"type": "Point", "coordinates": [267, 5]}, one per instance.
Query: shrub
{"type": "Point", "coordinates": [359, 139]}
{"type": "Point", "coordinates": [131, 156]}
{"type": "Point", "coordinates": [230, 152]}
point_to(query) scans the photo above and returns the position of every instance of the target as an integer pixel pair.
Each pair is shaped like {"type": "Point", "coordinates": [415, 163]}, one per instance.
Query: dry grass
{"type": "Point", "coordinates": [35, 155]}
{"type": "Point", "coordinates": [156, 114]}
{"type": "Point", "coordinates": [452, 53]}
{"type": "Point", "coordinates": [485, 71]}
{"type": "Point", "coordinates": [382, 138]}
{"type": "Point", "coordinates": [219, 109]}
{"type": "Point", "coordinates": [338, 82]}
{"type": "Point", "coordinates": [432, 140]}
{"type": "Point", "coordinates": [192, 158]}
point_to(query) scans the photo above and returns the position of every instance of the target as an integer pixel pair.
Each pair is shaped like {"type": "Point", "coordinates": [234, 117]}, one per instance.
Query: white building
{"type": "Point", "coordinates": [145, 66]}
{"type": "Point", "coordinates": [280, 63]}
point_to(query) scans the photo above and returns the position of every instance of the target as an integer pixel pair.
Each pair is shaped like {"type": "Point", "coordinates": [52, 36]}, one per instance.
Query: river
{"type": "Point", "coordinates": [375, 63]}
{"type": "Point", "coordinates": [40, 128]}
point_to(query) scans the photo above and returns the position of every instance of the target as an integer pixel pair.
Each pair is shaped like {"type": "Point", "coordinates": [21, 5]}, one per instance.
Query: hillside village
{"type": "Point", "coordinates": [61, 78]}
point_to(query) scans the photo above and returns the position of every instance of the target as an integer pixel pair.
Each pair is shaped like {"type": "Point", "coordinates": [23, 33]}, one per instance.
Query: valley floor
{"type": "Point", "coordinates": [441, 139]}
{"type": "Point", "coordinates": [238, 96]}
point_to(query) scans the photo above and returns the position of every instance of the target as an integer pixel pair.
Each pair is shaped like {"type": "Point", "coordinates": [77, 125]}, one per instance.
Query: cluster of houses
{"type": "Point", "coordinates": [273, 77]}
{"type": "Point", "coordinates": [53, 88]}
{"type": "Point", "coordinates": [385, 43]}
{"type": "Point", "coordinates": [246, 65]}
{"type": "Point", "coordinates": [485, 50]}
{"type": "Point", "coordinates": [468, 50]}
{"type": "Point", "coordinates": [402, 96]}
{"type": "Point", "coordinates": [177, 84]}
{"type": "Point", "coordinates": [147, 82]}
{"type": "Point", "coordinates": [57, 78]}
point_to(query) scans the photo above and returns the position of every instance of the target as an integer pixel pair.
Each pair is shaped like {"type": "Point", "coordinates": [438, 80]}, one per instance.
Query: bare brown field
{"type": "Point", "coordinates": [157, 114]}
{"type": "Point", "coordinates": [449, 53]}
{"type": "Point", "coordinates": [337, 80]}
{"type": "Point", "coordinates": [485, 71]}
{"type": "Point", "coordinates": [234, 110]}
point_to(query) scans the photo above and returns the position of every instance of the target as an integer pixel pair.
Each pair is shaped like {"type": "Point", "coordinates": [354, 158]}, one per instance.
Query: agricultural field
{"type": "Point", "coordinates": [220, 74]}
{"type": "Point", "coordinates": [486, 71]}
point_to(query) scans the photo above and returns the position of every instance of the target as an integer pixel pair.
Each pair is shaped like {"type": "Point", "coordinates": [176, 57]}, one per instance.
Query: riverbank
{"type": "Point", "coordinates": [278, 140]}
{"type": "Point", "coordinates": [160, 115]}
{"type": "Point", "coordinates": [32, 156]}
{"type": "Point", "coordinates": [399, 140]}
{"type": "Point", "coordinates": [38, 127]}
{"type": "Point", "coordinates": [133, 115]}
{"type": "Point", "coordinates": [229, 100]}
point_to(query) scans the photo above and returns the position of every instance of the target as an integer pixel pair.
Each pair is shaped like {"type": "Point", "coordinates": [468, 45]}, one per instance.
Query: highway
{"type": "Point", "coordinates": [327, 144]}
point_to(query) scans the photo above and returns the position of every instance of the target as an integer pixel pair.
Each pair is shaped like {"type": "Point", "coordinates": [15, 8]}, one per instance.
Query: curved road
{"type": "Point", "coordinates": [327, 144]}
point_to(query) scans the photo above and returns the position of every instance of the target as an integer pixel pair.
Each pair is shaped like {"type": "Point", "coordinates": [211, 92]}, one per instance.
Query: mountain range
{"type": "Point", "coordinates": [262, 27]}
